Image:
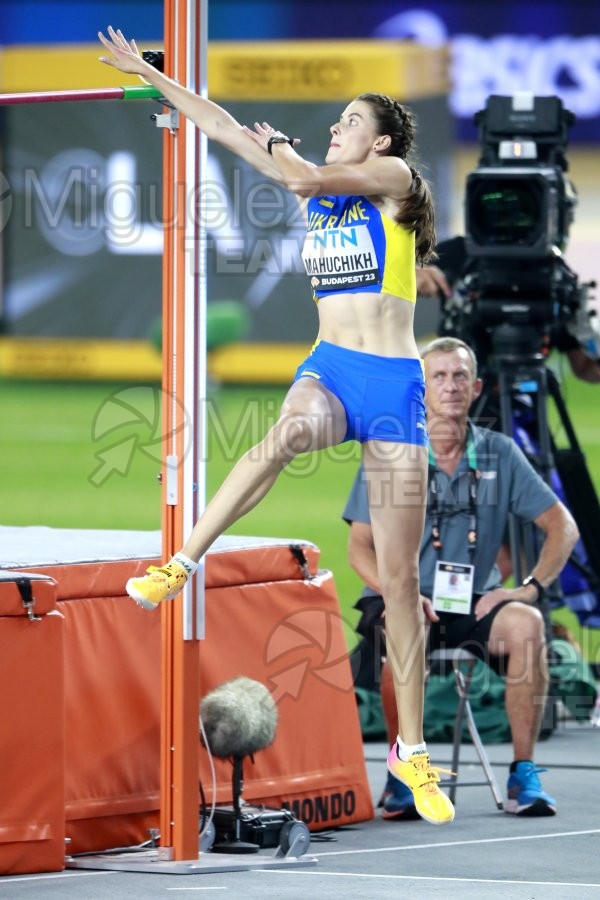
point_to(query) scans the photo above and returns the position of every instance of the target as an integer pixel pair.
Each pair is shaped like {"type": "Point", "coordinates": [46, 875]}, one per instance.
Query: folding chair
{"type": "Point", "coordinates": [463, 664]}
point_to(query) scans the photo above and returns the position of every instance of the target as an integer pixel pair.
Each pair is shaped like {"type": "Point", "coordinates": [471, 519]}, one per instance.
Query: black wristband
{"type": "Point", "coordinates": [278, 139]}
{"type": "Point", "coordinates": [539, 587]}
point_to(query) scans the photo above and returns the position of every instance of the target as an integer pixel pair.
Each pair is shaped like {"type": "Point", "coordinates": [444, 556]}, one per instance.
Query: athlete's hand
{"type": "Point", "coordinates": [125, 55]}
{"type": "Point", "coordinates": [262, 133]}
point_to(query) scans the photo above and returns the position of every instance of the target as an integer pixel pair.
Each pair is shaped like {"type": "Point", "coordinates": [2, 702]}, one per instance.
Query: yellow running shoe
{"type": "Point", "coordinates": [421, 778]}
{"type": "Point", "coordinates": [157, 585]}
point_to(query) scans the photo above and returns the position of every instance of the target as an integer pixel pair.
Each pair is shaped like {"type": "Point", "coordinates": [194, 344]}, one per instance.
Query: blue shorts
{"type": "Point", "coordinates": [383, 396]}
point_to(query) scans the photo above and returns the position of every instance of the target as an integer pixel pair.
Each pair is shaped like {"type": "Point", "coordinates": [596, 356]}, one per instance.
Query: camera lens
{"type": "Point", "coordinates": [507, 211]}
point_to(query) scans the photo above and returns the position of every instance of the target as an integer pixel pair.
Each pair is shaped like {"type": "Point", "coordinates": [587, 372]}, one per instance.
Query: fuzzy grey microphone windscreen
{"type": "Point", "coordinates": [239, 717]}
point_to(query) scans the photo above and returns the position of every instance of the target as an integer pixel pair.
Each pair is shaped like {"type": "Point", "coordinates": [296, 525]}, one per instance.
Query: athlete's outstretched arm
{"type": "Point", "coordinates": [216, 123]}
{"type": "Point", "coordinates": [387, 176]}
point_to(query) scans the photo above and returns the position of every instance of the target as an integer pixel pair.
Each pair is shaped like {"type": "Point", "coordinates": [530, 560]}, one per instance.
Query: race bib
{"type": "Point", "coordinates": [338, 258]}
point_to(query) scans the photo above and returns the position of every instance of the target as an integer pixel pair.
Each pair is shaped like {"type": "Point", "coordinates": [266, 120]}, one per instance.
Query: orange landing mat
{"type": "Point", "coordinates": [265, 619]}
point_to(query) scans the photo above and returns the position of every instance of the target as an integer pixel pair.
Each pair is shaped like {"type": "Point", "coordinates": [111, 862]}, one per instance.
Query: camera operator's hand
{"type": "Point", "coordinates": [583, 366]}
{"type": "Point", "coordinates": [431, 281]}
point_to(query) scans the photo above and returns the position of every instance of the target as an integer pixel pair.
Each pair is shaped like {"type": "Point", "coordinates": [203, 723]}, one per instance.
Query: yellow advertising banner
{"type": "Point", "coordinates": [266, 70]}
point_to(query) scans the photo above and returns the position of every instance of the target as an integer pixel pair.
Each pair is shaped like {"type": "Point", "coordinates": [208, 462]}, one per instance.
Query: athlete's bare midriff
{"type": "Point", "coordinates": [370, 323]}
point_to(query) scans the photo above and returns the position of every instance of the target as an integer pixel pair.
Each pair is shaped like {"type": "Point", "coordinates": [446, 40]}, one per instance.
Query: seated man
{"type": "Point", "coordinates": [476, 478]}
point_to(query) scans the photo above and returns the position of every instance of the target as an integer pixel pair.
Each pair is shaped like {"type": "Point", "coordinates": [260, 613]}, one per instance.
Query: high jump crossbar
{"type": "Point", "coordinates": [127, 92]}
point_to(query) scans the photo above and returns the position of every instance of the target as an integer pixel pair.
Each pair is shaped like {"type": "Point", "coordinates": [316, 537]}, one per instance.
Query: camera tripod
{"type": "Point", "coordinates": [515, 401]}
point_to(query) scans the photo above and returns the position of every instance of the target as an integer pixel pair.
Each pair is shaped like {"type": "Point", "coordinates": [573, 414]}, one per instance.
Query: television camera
{"type": "Point", "coordinates": [516, 292]}
{"type": "Point", "coordinates": [515, 298]}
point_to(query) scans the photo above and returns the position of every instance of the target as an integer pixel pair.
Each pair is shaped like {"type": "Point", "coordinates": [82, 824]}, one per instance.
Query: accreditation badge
{"type": "Point", "coordinates": [453, 588]}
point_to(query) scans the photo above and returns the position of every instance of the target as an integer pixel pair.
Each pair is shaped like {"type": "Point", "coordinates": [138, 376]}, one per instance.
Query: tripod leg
{"type": "Point", "coordinates": [516, 537]}
{"type": "Point", "coordinates": [579, 492]}
{"type": "Point", "coordinates": [561, 408]}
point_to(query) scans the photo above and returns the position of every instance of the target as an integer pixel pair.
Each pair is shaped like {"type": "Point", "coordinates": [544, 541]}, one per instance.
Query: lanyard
{"type": "Point", "coordinates": [434, 505]}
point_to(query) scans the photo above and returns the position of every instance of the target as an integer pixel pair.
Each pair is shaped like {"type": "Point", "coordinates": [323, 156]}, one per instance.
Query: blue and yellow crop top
{"type": "Point", "coordinates": [351, 246]}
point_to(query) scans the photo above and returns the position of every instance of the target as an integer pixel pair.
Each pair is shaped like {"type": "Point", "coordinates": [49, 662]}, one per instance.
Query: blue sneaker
{"type": "Point", "coordinates": [397, 801]}
{"type": "Point", "coordinates": [526, 797]}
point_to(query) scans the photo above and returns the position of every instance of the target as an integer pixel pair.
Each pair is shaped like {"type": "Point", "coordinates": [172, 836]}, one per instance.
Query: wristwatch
{"type": "Point", "coordinates": [531, 580]}
{"type": "Point", "coordinates": [278, 138]}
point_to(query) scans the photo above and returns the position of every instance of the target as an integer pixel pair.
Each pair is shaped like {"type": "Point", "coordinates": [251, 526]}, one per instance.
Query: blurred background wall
{"type": "Point", "coordinates": [81, 245]}
{"type": "Point", "coordinates": [547, 47]}
{"type": "Point", "coordinates": [83, 242]}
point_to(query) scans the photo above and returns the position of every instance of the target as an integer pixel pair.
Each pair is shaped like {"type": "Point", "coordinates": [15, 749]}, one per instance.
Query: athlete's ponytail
{"type": "Point", "coordinates": [417, 213]}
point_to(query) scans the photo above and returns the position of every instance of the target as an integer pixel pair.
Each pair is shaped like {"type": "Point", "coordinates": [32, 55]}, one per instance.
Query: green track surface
{"type": "Point", "coordinates": [87, 456]}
